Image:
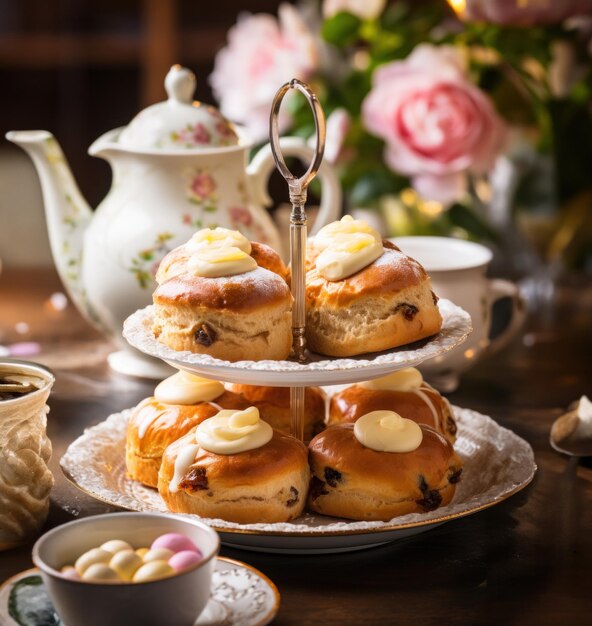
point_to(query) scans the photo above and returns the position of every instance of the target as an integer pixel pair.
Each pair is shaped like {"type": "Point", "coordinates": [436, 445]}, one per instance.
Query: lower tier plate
{"type": "Point", "coordinates": [498, 464]}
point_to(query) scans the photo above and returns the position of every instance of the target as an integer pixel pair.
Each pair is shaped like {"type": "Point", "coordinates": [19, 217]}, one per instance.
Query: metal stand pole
{"type": "Point", "coordinates": [298, 232]}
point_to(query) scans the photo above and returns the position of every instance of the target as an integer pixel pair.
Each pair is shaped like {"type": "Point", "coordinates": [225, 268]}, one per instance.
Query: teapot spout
{"type": "Point", "coordinates": [66, 211]}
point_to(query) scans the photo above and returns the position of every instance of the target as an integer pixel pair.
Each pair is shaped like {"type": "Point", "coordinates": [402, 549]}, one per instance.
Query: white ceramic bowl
{"type": "Point", "coordinates": [174, 601]}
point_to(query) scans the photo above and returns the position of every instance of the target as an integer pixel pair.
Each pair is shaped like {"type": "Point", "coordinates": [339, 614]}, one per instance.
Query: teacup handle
{"type": "Point", "coordinates": [263, 164]}
{"type": "Point", "coordinates": [498, 289]}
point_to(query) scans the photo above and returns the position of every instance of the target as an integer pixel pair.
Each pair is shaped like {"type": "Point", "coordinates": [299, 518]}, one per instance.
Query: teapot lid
{"type": "Point", "coordinates": [179, 123]}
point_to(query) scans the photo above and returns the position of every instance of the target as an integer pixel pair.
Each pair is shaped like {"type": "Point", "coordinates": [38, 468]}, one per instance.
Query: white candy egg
{"type": "Point", "coordinates": [125, 563]}
{"type": "Point", "coordinates": [116, 545]}
{"type": "Point", "coordinates": [99, 571]}
{"type": "Point", "coordinates": [96, 555]}
{"type": "Point", "coordinates": [153, 571]}
{"type": "Point", "coordinates": [159, 554]}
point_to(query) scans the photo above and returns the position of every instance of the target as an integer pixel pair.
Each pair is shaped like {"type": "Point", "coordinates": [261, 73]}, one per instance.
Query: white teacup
{"type": "Point", "coordinates": [457, 269]}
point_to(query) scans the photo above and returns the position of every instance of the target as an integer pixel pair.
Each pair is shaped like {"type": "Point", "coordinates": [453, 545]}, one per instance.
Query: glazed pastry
{"type": "Point", "coordinates": [224, 305]}
{"type": "Point", "coordinates": [381, 467]}
{"type": "Point", "coordinates": [180, 403]}
{"type": "Point", "coordinates": [363, 294]}
{"type": "Point", "coordinates": [175, 262]}
{"type": "Point", "coordinates": [274, 406]}
{"type": "Point", "coordinates": [404, 392]}
{"type": "Point", "coordinates": [235, 467]}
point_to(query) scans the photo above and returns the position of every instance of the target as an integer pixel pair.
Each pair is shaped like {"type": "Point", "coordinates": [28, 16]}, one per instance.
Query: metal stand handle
{"type": "Point", "coordinates": [297, 188]}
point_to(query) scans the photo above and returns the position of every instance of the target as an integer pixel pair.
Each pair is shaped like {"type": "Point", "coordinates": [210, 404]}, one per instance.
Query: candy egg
{"type": "Point", "coordinates": [69, 572]}
{"type": "Point", "coordinates": [185, 559]}
{"type": "Point", "coordinates": [99, 571]}
{"type": "Point", "coordinates": [141, 552]}
{"type": "Point", "coordinates": [153, 571]}
{"type": "Point", "coordinates": [96, 555]}
{"type": "Point", "coordinates": [116, 545]}
{"type": "Point", "coordinates": [126, 563]}
{"type": "Point", "coordinates": [175, 542]}
{"type": "Point", "coordinates": [158, 554]}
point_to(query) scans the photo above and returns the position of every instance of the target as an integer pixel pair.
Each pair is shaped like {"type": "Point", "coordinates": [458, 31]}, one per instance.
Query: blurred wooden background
{"type": "Point", "coordinates": [81, 67]}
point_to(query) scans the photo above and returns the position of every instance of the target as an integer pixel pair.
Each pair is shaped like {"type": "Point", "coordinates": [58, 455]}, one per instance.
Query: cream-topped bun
{"type": "Point", "coordinates": [335, 231]}
{"type": "Point", "coordinates": [176, 261]}
{"type": "Point", "coordinates": [243, 317]}
{"type": "Point", "coordinates": [274, 406]}
{"type": "Point", "coordinates": [263, 484]}
{"type": "Point", "coordinates": [354, 481]}
{"type": "Point", "coordinates": [216, 262]}
{"type": "Point", "coordinates": [218, 238]}
{"type": "Point", "coordinates": [154, 424]}
{"type": "Point", "coordinates": [230, 432]}
{"type": "Point", "coordinates": [387, 431]}
{"type": "Point", "coordinates": [403, 392]}
{"type": "Point", "coordinates": [386, 304]}
{"type": "Point", "coordinates": [186, 388]}
{"type": "Point", "coordinates": [348, 255]}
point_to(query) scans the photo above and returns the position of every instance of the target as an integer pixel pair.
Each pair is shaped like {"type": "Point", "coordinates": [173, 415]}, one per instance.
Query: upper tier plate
{"type": "Point", "coordinates": [456, 325]}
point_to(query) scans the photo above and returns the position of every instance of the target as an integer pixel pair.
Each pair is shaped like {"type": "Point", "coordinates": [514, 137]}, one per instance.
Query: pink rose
{"type": "Point", "coordinates": [514, 13]}
{"type": "Point", "coordinates": [203, 185]}
{"type": "Point", "coordinates": [437, 125]}
{"type": "Point", "coordinates": [262, 54]}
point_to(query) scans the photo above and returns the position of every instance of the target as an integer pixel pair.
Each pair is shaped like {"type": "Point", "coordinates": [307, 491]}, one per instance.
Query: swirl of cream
{"type": "Point", "coordinates": [406, 379]}
{"type": "Point", "coordinates": [212, 262]}
{"type": "Point", "coordinates": [185, 388]}
{"type": "Point", "coordinates": [387, 431]}
{"type": "Point", "coordinates": [347, 255]}
{"type": "Point", "coordinates": [337, 230]}
{"type": "Point", "coordinates": [230, 432]}
{"type": "Point", "coordinates": [218, 238]}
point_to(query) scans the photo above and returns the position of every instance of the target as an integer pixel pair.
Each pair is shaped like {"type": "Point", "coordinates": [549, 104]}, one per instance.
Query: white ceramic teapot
{"type": "Point", "coordinates": [177, 167]}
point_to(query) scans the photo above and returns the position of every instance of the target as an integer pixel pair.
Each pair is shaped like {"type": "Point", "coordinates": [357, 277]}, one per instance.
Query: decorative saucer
{"type": "Point", "coordinates": [240, 596]}
{"type": "Point", "coordinates": [456, 326]}
{"type": "Point", "coordinates": [497, 464]}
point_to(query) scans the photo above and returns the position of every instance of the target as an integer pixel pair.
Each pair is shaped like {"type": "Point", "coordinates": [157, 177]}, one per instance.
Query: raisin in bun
{"type": "Point", "coordinates": [264, 484]}
{"type": "Point", "coordinates": [386, 304]}
{"type": "Point", "coordinates": [353, 481]}
{"type": "Point", "coordinates": [274, 405]}
{"type": "Point", "coordinates": [416, 401]}
{"type": "Point", "coordinates": [175, 262]}
{"type": "Point", "coordinates": [155, 424]}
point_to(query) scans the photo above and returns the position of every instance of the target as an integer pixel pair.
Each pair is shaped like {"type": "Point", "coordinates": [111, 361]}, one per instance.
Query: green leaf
{"type": "Point", "coordinates": [342, 29]}
{"type": "Point", "coordinates": [463, 217]}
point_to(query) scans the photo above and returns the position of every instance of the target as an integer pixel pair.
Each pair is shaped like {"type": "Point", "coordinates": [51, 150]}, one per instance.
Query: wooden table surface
{"type": "Point", "coordinates": [525, 561]}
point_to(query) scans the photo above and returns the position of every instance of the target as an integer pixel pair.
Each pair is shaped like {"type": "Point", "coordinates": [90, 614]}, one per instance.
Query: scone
{"type": "Point", "coordinates": [274, 406]}
{"type": "Point", "coordinates": [404, 392]}
{"type": "Point", "coordinates": [154, 424]}
{"type": "Point", "coordinates": [352, 480]}
{"type": "Point", "coordinates": [364, 295]}
{"type": "Point", "coordinates": [175, 262]}
{"type": "Point", "coordinates": [235, 467]}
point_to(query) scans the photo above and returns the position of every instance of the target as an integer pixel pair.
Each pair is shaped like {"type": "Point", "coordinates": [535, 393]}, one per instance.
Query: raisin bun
{"type": "Point", "coordinates": [381, 467]}
{"type": "Point", "coordinates": [363, 294]}
{"type": "Point", "coordinates": [404, 392]}
{"type": "Point", "coordinates": [235, 467]}
{"type": "Point", "coordinates": [180, 403]}
{"type": "Point", "coordinates": [175, 262]}
{"type": "Point", "coordinates": [224, 305]}
{"type": "Point", "coordinates": [274, 406]}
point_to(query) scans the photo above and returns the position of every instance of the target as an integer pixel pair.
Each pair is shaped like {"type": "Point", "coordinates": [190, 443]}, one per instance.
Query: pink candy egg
{"type": "Point", "coordinates": [185, 559]}
{"type": "Point", "coordinates": [174, 542]}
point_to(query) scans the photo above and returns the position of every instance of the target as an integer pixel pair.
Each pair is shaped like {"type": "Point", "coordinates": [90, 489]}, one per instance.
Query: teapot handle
{"type": "Point", "coordinates": [263, 164]}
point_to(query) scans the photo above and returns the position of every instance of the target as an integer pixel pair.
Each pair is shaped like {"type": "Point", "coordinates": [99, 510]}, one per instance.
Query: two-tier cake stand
{"type": "Point", "coordinates": [497, 462]}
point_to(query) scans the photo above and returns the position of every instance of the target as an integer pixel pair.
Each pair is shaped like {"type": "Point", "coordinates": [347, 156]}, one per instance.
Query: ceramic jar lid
{"type": "Point", "coordinates": [180, 123]}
